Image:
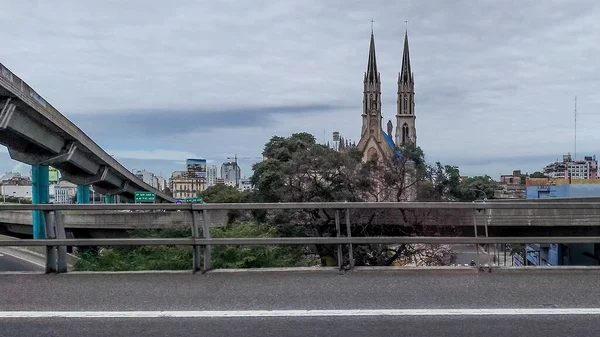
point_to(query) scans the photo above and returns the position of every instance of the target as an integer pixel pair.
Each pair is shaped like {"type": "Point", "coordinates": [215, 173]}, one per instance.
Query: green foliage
{"type": "Point", "coordinates": [16, 200]}
{"type": "Point", "coordinates": [224, 194]}
{"type": "Point", "coordinates": [440, 183]}
{"type": "Point", "coordinates": [180, 258]}
{"type": "Point", "coordinates": [471, 189]}
{"type": "Point", "coordinates": [255, 256]}
{"type": "Point", "coordinates": [299, 170]}
{"type": "Point", "coordinates": [538, 174]}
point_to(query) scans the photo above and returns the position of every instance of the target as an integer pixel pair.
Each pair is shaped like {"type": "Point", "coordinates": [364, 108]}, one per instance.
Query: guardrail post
{"type": "Point", "coordinates": [486, 235]}
{"type": "Point", "coordinates": [195, 234]}
{"type": "Point", "coordinates": [51, 254]}
{"type": "Point", "coordinates": [475, 229]}
{"type": "Point", "coordinates": [340, 260]}
{"type": "Point", "coordinates": [59, 226]}
{"type": "Point", "coordinates": [349, 235]}
{"type": "Point", "coordinates": [207, 248]}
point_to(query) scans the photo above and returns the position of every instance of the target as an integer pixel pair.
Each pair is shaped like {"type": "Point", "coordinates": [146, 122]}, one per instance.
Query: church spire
{"type": "Point", "coordinates": [406, 75]}
{"type": "Point", "coordinates": [372, 74]}
{"type": "Point", "coordinates": [406, 129]}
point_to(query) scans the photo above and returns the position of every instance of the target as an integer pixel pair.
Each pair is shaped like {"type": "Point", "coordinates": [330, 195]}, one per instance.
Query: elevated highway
{"type": "Point", "coordinates": [37, 134]}
{"type": "Point", "coordinates": [392, 302]}
{"type": "Point", "coordinates": [520, 218]}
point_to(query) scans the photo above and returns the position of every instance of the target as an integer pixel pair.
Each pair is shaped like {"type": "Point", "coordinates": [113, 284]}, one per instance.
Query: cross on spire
{"type": "Point", "coordinates": [372, 25]}
{"type": "Point", "coordinates": [406, 22]}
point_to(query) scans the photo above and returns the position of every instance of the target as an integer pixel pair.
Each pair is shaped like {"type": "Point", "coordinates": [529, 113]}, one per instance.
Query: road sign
{"type": "Point", "coordinates": [141, 197]}
{"type": "Point", "coordinates": [194, 200]}
{"type": "Point", "coordinates": [179, 202]}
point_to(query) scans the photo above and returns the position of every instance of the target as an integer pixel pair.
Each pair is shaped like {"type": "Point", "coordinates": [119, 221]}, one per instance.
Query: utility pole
{"type": "Point", "coordinates": [575, 154]}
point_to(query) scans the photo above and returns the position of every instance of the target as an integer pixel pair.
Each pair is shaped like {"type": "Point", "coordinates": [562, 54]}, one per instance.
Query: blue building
{"type": "Point", "coordinates": [560, 254]}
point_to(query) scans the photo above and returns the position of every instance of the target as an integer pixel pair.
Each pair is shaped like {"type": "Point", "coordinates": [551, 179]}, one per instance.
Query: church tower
{"type": "Point", "coordinates": [406, 129]}
{"type": "Point", "coordinates": [373, 141]}
{"type": "Point", "coordinates": [371, 116]}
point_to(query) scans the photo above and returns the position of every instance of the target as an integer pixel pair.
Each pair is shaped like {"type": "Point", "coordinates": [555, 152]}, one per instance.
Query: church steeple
{"type": "Point", "coordinates": [406, 130]}
{"type": "Point", "coordinates": [372, 75]}
{"type": "Point", "coordinates": [406, 75]}
{"type": "Point", "coordinates": [371, 116]}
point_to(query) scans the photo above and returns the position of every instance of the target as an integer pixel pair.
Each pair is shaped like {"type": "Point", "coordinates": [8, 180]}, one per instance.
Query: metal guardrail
{"type": "Point", "coordinates": [311, 205]}
{"type": "Point", "coordinates": [57, 242]}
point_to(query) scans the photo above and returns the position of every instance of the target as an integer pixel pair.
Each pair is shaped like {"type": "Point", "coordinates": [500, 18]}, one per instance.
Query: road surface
{"type": "Point", "coordinates": [308, 303]}
{"type": "Point", "coordinates": [14, 261]}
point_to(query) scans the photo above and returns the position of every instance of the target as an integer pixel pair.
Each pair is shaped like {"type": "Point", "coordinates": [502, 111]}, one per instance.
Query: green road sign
{"type": "Point", "coordinates": [144, 197]}
{"type": "Point", "coordinates": [193, 200]}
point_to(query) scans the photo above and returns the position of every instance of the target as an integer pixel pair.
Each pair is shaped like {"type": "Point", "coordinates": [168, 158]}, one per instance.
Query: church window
{"type": "Point", "coordinates": [405, 135]}
{"type": "Point", "coordinates": [406, 104]}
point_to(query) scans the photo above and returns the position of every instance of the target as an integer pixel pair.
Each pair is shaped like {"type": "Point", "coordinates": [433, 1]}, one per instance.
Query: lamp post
{"type": "Point", "coordinates": [486, 228]}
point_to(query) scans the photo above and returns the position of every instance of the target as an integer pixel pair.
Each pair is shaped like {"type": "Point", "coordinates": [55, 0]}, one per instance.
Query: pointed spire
{"type": "Point", "coordinates": [372, 75]}
{"type": "Point", "coordinates": [406, 73]}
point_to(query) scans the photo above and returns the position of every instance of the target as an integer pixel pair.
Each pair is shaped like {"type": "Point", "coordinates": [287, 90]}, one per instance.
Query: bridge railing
{"type": "Point", "coordinates": [56, 241]}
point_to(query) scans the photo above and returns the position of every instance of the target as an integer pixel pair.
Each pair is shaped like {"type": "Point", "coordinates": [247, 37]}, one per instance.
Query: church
{"type": "Point", "coordinates": [374, 141]}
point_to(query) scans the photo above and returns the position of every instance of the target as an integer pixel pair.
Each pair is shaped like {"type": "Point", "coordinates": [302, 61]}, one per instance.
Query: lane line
{"type": "Point", "coordinates": [299, 313]}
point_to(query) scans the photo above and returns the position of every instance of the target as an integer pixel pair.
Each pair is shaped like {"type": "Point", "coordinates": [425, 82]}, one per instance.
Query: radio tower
{"type": "Point", "coordinates": [575, 154]}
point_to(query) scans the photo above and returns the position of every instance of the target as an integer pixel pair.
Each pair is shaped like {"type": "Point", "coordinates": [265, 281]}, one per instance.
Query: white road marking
{"type": "Point", "coordinates": [298, 313]}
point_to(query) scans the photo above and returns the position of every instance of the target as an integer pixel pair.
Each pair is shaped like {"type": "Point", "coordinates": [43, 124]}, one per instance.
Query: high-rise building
{"type": "Point", "coordinates": [231, 172]}
{"type": "Point", "coordinates": [147, 177]}
{"type": "Point", "coordinates": [574, 169]}
{"type": "Point", "coordinates": [211, 175]}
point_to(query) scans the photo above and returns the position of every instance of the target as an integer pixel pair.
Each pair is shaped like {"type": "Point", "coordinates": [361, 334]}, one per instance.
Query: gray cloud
{"type": "Point", "coordinates": [494, 80]}
{"type": "Point", "coordinates": [167, 122]}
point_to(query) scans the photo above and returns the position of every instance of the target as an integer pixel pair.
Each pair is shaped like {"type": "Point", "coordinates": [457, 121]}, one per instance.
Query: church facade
{"type": "Point", "coordinates": [374, 141]}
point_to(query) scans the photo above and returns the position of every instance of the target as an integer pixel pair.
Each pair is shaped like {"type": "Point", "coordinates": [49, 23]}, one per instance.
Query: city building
{"type": "Point", "coordinates": [558, 253]}
{"type": "Point", "coordinates": [574, 169]}
{"type": "Point", "coordinates": [161, 183]}
{"type": "Point", "coordinates": [231, 172]}
{"type": "Point", "coordinates": [147, 177]}
{"type": "Point", "coordinates": [211, 175]}
{"type": "Point", "coordinates": [510, 186]}
{"type": "Point", "coordinates": [186, 184]}
{"type": "Point", "coordinates": [374, 141]}
{"type": "Point", "coordinates": [245, 185]}
{"type": "Point", "coordinates": [64, 192]}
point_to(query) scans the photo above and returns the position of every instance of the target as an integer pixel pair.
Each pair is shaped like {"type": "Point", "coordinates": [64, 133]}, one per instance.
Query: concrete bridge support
{"type": "Point", "coordinates": [83, 194]}
{"type": "Point", "coordinates": [41, 195]}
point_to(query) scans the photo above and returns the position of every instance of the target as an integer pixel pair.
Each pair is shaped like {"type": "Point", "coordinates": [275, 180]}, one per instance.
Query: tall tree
{"type": "Point", "coordinates": [299, 170]}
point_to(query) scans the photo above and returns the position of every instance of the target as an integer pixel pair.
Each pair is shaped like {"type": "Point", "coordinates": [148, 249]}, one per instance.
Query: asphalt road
{"type": "Point", "coordinates": [9, 262]}
{"type": "Point", "coordinates": [353, 293]}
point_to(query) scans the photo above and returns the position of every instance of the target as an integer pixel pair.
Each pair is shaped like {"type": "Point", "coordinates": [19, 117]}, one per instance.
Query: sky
{"type": "Point", "coordinates": [495, 82]}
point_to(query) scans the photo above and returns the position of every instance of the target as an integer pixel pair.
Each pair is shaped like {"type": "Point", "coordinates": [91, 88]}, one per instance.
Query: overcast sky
{"type": "Point", "coordinates": [157, 82]}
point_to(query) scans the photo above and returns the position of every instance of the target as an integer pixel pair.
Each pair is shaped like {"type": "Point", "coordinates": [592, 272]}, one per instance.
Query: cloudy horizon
{"type": "Point", "coordinates": [154, 85]}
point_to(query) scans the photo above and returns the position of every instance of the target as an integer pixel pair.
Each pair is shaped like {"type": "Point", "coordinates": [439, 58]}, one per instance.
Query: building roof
{"type": "Point", "coordinates": [393, 146]}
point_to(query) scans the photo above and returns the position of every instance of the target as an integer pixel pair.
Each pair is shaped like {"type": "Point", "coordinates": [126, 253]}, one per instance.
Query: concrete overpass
{"type": "Point", "coordinates": [105, 220]}
{"type": "Point", "coordinates": [37, 134]}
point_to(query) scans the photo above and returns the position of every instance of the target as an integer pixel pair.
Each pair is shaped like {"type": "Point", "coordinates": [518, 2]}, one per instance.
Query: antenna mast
{"type": "Point", "coordinates": [575, 154]}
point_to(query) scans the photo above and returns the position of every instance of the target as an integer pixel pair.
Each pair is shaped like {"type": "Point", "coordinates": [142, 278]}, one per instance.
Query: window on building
{"type": "Point", "coordinates": [405, 135]}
